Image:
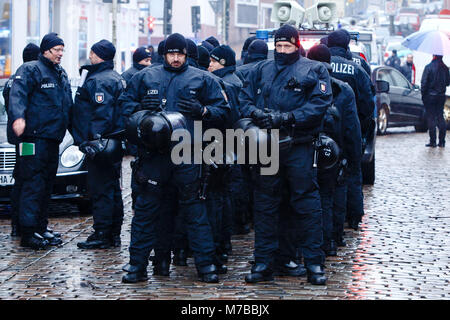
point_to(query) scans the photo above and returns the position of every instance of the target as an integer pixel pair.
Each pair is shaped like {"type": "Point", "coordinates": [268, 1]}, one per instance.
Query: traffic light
{"type": "Point", "coordinates": [195, 17]}
{"type": "Point", "coordinates": [151, 24]}
{"type": "Point", "coordinates": [141, 25]}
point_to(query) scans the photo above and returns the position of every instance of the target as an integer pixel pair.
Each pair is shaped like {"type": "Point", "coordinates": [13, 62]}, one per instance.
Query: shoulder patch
{"type": "Point", "coordinates": [99, 97]}
{"type": "Point", "coordinates": [322, 86]}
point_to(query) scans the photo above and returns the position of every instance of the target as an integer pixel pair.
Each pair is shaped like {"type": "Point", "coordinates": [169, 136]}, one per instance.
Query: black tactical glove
{"type": "Point", "coordinates": [151, 103]}
{"type": "Point", "coordinates": [191, 107]}
{"type": "Point", "coordinates": [262, 119]}
{"type": "Point", "coordinates": [277, 119]}
{"type": "Point", "coordinates": [90, 148]}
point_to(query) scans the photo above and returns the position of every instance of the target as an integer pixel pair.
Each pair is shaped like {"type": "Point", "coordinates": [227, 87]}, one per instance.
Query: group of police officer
{"type": "Point", "coordinates": [323, 103]}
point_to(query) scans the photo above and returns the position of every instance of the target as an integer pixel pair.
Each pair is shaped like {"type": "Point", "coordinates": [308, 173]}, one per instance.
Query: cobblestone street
{"type": "Point", "coordinates": [402, 250]}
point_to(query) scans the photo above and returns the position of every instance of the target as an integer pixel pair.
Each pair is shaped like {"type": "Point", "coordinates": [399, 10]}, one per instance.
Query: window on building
{"type": "Point", "coordinates": [246, 13]}
{"type": "Point", "coordinates": [5, 38]}
{"type": "Point", "coordinates": [33, 21]}
{"type": "Point", "coordinates": [157, 9]}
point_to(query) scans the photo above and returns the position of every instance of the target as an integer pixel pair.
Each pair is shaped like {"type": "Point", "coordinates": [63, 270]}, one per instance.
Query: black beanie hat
{"type": "Point", "coordinates": [287, 33]}
{"type": "Point", "coordinates": [258, 49]}
{"type": "Point", "coordinates": [203, 57]}
{"type": "Point", "coordinates": [31, 52]}
{"type": "Point", "coordinates": [324, 40]}
{"type": "Point", "coordinates": [192, 50]}
{"type": "Point", "coordinates": [338, 38]}
{"type": "Point", "coordinates": [49, 41]}
{"type": "Point", "coordinates": [213, 41]}
{"type": "Point", "coordinates": [104, 49]}
{"type": "Point", "coordinates": [320, 53]}
{"type": "Point", "coordinates": [248, 42]}
{"type": "Point", "coordinates": [141, 54]}
{"type": "Point", "coordinates": [161, 47]}
{"type": "Point", "coordinates": [175, 43]}
{"type": "Point", "coordinates": [224, 55]}
{"type": "Point", "coordinates": [208, 46]}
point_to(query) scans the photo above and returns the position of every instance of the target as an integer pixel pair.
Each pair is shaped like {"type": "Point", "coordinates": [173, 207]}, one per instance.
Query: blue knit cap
{"type": "Point", "coordinates": [49, 41]}
{"type": "Point", "coordinates": [104, 49]}
{"type": "Point", "coordinates": [224, 55]}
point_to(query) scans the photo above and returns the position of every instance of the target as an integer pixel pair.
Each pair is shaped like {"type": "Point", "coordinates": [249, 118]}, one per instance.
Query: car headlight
{"type": "Point", "coordinates": [71, 157]}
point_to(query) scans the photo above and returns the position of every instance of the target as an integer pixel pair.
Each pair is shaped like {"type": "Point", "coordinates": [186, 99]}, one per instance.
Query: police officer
{"type": "Point", "coordinates": [297, 92]}
{"type": "Point", "coordinates": [257, 51]}
{"type": "Point", "coordinates": [95, 115]}
{"type": "Point", "coordinates": [192, 53]}
{"type": "Point", "coordinates": [208, 46]}
{"type": "Point", "coordinates": [342, 125]}
{"type": "Point", "coordinates": [174, 86]}
{"type": "Point", "coordinates": [40, 104]}
{"type": "Point", "coordinates": [435, 80]}
{"type": "Point", "coordinates": [142, 58]}
{"type": "Point", "coordinates": [353, 74]}
{"type": "Point", "coordinates": [30, 53]}
{"type": "Point", "coordinates": [203, 58]}
{"type": "Point", "coordinates": [158, 58]}
{"type": "Point", "coordinates": [213, 41]}
{"type": "Point", "coordinates": [244, 51]}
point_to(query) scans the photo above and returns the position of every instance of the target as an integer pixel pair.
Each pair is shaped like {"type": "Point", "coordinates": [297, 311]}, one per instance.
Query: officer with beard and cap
{"type": "Point", "coordinates": [290, 93]}
{"type": "Point", "coordinates": [342, 125]}
{"type": "Point", "coordinates": [244, 51]}
{"type": "Point", "coordinates": [142, 58]}
{"type": "Point", "coordinates": [40, 102]}
{"type": "Point", "coordinates": [353, 74]}
{"type": "Point", "coordinates": [257, 51]}
{"type": "Point", "coordinates": [176, 87]}
{"type": "Point", "coordinates": [96, 114]}
{"type": "Point", "coordinates": [30, 53]}
{"type": "Point", "coordinates": [203, 58]}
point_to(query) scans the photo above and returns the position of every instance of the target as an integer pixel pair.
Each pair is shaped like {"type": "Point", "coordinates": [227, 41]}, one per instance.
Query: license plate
{"type": "Point", "coordinates": [6, 180]}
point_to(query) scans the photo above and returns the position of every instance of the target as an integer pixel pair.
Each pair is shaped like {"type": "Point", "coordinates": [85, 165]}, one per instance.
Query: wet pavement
{"type": "Point", "coordinates": [402, 250]}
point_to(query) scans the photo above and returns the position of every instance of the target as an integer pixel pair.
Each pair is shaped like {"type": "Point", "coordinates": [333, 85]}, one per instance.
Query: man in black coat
{"type": "Point", "coordinates": [435, 80]}
{"type": "Point", "coordinates": [39, 110]}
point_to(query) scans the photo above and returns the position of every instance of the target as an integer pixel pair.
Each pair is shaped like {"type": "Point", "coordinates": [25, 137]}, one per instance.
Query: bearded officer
{"type": "Point", "coordinates": [95, 115]}
{"type": "Point", "coordinates": [297, 92]}
{"type": "Point", "coordinates": [173, 86]}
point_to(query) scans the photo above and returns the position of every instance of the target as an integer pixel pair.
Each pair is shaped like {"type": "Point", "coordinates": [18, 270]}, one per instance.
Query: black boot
{"type": "Point", "coordinates": [97, 240]}
{"type": "Point", "coordinates": [130, 268]}
{"type": "Point", "coordinates": [260, 272]}
{"type": "Point", "coordinates": [115, 240]}
{"type": "Point", "coordinates": [15, 230]}
{"type": "Point", "coordinates": [180, 257]}
{"type": "Point", "coordinates": [441, 144]}
{"type": "Point", "coordinates": [56, 234]}
{"type": "Point", "coordinates": [432, 145]}
{"type": "Point", "coordinates": [353, 223]}
{"type": "Point", "coordinates": [161, 268]}
{"type": "Point", "coordinates": [316, 274]}
{"type": "Point", "coordinates": [34, 241]}
{"type": "Point", "coordinates": [340, 242]}
{"type": "Point", "coordinates": [134, 277]}
{"type": "Point", "coordinates": [290, 269]}
{"type": "Point", "coordinates": [208, 274]}
{"type": "Point", "coordinates": [51, 238]}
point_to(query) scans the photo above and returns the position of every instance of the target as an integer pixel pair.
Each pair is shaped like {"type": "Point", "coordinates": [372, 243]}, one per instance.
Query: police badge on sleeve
{"type": "Point", "coordinates": [322, 86]}
{"type": "Point", "coordinates": [99, 97]}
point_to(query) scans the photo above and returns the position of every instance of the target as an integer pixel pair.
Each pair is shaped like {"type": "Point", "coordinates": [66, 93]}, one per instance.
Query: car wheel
{"type": "Point", "coordinates": [85, 207]}
{"type": "Point", "coordinates": [368, 172]}
{"type": "Point", "coordinates": [382, 121]}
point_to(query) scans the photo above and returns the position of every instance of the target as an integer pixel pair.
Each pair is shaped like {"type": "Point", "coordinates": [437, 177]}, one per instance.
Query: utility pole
{"type": "Point", "coordinates": [114, 22]}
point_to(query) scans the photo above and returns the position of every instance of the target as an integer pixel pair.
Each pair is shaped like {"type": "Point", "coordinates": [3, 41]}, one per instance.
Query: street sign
{"type": "Point", "coordinates": [390, 8]}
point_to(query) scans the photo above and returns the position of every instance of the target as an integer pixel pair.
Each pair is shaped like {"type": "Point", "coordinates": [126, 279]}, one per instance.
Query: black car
{"type": "Point", "coordinates": [70, 183]}
{"type": "Point", "coordinates": [401, 105]}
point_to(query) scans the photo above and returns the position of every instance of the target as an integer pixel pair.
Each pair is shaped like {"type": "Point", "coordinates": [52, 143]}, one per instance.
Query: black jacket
{"type": "Point", "coordinates": [128, 74]}
{"type": "Point", "coordinates": [407, 70]}
{"type": "Point", "coordinates": [41, 94]}
{"type": "Point", "coordinates": [96, 109]}
{"type": "Point", "coordinates": [233, 86]}
{"type": "Point", "coordinates": [353, 74]}
{"type": "Point", "coordinates": [302, 88]}
{"type": "Point", "coordinates": [435, 78]}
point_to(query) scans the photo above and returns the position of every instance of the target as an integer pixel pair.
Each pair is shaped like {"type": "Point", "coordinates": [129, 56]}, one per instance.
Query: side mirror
{"type": "Point", "coordinates": [382, 86]}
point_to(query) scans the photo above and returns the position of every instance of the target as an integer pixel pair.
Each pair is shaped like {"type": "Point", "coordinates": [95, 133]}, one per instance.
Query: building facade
{"type": "Point", "coordinates": [80, 23]}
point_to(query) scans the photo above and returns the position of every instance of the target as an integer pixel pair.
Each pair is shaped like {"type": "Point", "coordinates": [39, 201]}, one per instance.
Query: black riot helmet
{"type": "Point", "coordinates": [154, 129]}
{"type": "Point", "coordinates": [328, 152]}
{"type": "Point", "coordinates": [111, 151]}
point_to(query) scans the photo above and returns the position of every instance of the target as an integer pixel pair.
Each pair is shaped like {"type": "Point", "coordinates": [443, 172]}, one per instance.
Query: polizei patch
{"type": "Point", "coordinates": [323, 86]}
{"type": "Point", "coordinates": [99, 97]}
